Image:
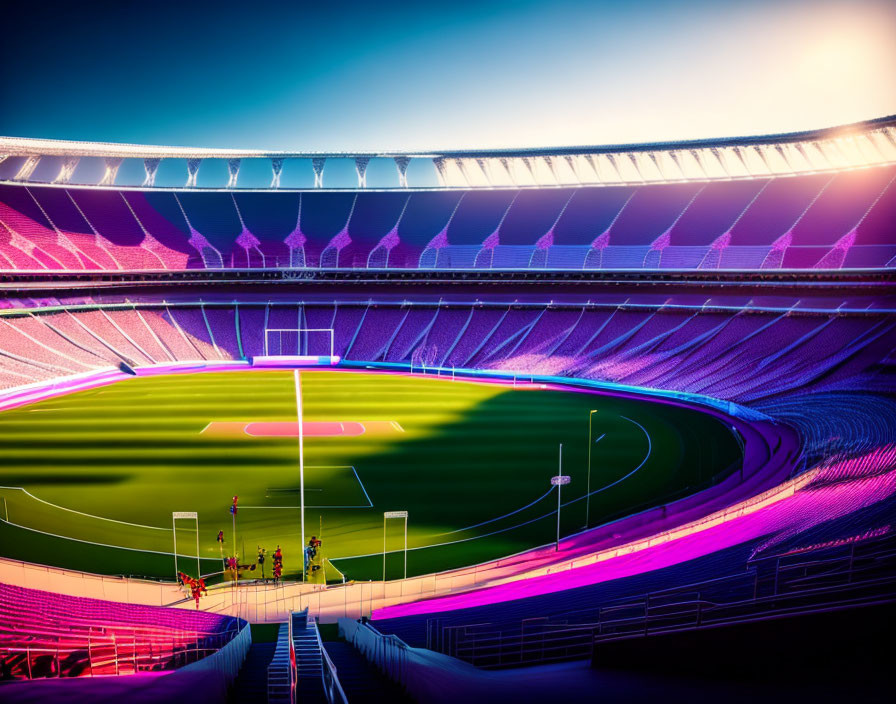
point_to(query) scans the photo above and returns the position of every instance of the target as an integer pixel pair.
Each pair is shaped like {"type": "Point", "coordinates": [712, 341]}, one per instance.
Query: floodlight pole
{"type": "Point", "coordinates": [559, 489]}
{"type": "Point", "coordinates": [558, 481]}
{"type": "Point", "coordinates": [588, 485]}
{"type": "Point", "coordinates": [301, 466]}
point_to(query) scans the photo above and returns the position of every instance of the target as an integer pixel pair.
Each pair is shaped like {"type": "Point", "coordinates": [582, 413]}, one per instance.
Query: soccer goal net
{"type": "Point", "coordinates": [299, 342]}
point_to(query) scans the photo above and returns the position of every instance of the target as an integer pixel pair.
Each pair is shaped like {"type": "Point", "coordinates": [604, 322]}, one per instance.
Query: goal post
{"type": "Point", "coordinates": [298, 346]}
{"type": "Point", "coordinates": [299, 341]}
{"type": "Point", "coordinates": [186, 516]}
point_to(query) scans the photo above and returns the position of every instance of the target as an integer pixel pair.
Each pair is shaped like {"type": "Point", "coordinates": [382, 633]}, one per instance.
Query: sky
{"type": "Point", "coordinates": [359, 76]}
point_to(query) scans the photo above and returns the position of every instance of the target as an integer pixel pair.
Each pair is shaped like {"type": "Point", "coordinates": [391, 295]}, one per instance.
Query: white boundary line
{"type": "Point", "coordinates": [333, 466]}
{"type": "Point", "coordinates": [81, 513]}
{"type": "Point", "coordinates": [346, 557]}
{"type": "Point", "coordinates": [533, 520]}
{"type": "Point", "coordinates": [102, 545]}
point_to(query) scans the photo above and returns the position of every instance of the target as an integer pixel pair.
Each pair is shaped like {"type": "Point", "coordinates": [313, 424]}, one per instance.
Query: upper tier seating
{"type": "Point", "coordinates": [818, 221]}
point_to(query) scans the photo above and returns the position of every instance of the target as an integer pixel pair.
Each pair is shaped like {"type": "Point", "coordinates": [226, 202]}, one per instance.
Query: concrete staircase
{"type": "Point", "coordinates": [309, 660]}
{"type": "Point", "coordinates": [278, 670]}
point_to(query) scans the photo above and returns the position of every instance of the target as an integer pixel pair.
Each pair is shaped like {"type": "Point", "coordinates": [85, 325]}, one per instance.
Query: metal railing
{"type": "Point", "coordinates": [778, 586]}
{"type": "Point", "coordinates": [103, 654]}
{"type": "Point", "coordinates": [388, 653]}
{"type": "Point", "coordinates": [332, 686]}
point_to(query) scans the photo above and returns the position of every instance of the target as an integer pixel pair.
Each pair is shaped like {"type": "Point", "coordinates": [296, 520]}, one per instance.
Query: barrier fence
{"type": "Point", "coordinates": [127, 650]}
{"type": "Point", "coordinates": [777, 586]}
{"type": "Point", "coordinates": [227, 661]}
{"type": "Point", "coordinates": [268, 602]}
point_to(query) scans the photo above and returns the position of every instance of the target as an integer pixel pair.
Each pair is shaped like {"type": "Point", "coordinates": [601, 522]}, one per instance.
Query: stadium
{"type": "Point", "coordinates": [612, 422]}
{"type": "Point", "coordinates": [699, 339]}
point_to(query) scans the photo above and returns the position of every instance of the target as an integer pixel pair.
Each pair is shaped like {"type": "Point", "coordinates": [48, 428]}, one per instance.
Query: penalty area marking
{"type": "Point", "coordinates": [308, 467]}
{"type": "Point", "coordinates": [289, 429]}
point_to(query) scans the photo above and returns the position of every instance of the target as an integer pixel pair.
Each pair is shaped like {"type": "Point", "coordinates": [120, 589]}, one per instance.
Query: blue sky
{"type": "Point", "coordinates": [442, 75]}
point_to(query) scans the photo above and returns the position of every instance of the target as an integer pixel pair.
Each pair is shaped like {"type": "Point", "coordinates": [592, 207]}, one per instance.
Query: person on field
{"type": "Point", "coordinates": [278, 564]}
{"type": "Point", "coordinates": [309, 555]}
{"type": "Point", "coordinates": [197, 587]}
{"type": "Point", "coordinates": [261, 556]}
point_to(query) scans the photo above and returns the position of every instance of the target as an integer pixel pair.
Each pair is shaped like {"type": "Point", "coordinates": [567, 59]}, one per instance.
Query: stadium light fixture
{"type": "Point", "coordinates": [559, 481]}
{"type": "Point", "coordinates": [396, 514]}
{"type": "Point", "coordinates": [588, 484]}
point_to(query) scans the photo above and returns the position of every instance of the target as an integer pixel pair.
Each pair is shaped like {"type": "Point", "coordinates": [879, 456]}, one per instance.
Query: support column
{"type": "Point", "coordinates": [151, 166]}
{"type": "Point", "coordinates": [112, 164]}
{"type": "Point", "coordinates": [277, 169]}
{"type": "Point", "coordinates": [67, 170]}
{"type": "Point", "coordinates": [361, 163]}
{"type": "Point", "coordinates": [233, 171]}
{"type": "Point", "coordinates": [25, 171]}
{"type": "Point", "coordinates": [401, 163]}
{"type": "Point", "coordinates": [192, 171]}
{"type": "Point", "coordinates": [317, 163]}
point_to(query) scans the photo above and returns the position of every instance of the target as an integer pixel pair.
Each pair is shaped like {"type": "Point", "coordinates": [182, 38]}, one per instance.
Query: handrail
{"type": "Point", "coordinates": [788, 589]}
{"type": "Point", "coordinates": [332, 685]}
{"type": "Point", "coordinates": [118, 654]}
{"type": "Point", "coordinates": [387, 652]}
{"type": "Point", "coordinates": [293, 664]}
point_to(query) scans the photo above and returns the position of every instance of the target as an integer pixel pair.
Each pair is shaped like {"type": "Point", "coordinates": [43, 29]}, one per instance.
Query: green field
{"type": "Point", "coordinates": [88, 474]}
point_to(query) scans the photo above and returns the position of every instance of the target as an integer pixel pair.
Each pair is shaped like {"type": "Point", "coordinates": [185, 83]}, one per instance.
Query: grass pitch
{"type": "Point", "coordinates": [91, 479]}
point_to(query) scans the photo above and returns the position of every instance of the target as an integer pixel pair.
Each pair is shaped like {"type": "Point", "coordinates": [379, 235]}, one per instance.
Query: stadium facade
{"type": "Point", "coordinates": [748, 278]}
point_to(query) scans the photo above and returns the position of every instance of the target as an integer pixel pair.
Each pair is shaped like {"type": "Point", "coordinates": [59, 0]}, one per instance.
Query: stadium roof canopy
{"type": "Point", "coordinates": [852, 146]}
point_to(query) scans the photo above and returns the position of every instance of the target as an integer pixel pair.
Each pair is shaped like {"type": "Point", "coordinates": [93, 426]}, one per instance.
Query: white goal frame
{"type": "Point", "coordinates": [189, 516]}
{"type": "Point", "coordinates": [299, 332]}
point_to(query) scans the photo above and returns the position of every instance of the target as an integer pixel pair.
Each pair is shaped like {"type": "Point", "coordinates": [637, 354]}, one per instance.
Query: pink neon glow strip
{"type": "Point", "coordinates": [790, 508]}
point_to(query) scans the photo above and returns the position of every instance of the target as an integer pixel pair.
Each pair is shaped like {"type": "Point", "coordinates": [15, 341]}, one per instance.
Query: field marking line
{"type": "Point", "coordinates": [296, 508]}
{"type": "Point", "coordinates": [533, 520]}
{"type": "Point", "coordinates": [506, 515]}
{"type": "Point", "coordinates": [623, 478]}
{"type": "Point", "coordinates": [102, 545]}
{"type": "Point", "coordinates": [366, 495]}
{"type": "Point", "coordinates": [81, 513]}
{"type": "Point", "coordinates": [141, 525]}
{"type": "Point", "coordinates": [346, 466]}
{"type": "Point", "coordinates": [287, 429]}
{"type": "Point", "coordinates": [453, 542]}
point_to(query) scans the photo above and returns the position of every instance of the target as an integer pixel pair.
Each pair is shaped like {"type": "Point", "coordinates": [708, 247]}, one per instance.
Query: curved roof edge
{"type": "Point", "coordinates": [857, 145]}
